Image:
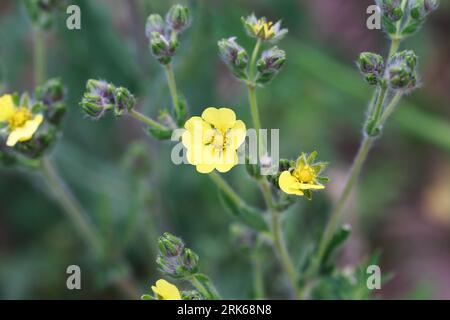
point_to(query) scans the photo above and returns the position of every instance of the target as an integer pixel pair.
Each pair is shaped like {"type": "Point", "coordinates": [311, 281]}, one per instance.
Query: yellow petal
{"type": "Point", "coordinates": [166, 291]}
{"type": "Point", "coordinates": [237, 134]}
{"type": "Point", "coordinates": [227, 160]}
{"type": "Point", "coordinates": [26, 132]}
{"type": "Point", "coordinates": [6, 107]}
{"type": "Point", "coordinates": [289, 184]}
{"type": "Point", "coordinates": [197, 131]}
{"type": "Point", "coordinates": [308, 186]}
{"type": "Point", "coordinates": [205, 168]}
{"type": "Point", "coordinates": [221, 119]}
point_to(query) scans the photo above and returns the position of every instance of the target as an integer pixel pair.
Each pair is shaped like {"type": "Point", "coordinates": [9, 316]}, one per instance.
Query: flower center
{"type": "Point", "coordinates": [266, 27]}
{"type": "Point", "coordinates": [305, 174]}
{"type": "Point", "coordinates": [219, 140]}
{"type": "Point", "coordinates": [19, 118]}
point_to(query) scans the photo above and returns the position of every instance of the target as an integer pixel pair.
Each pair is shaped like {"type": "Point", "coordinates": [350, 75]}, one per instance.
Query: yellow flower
{"type": "Point", "coordinates": [304, 177]}
{"type": "Point", "coordinates": [166, 291]}
{"type": "Point", "coordinates": [263, 29]}
{"type": "Point", "coordinates": [212, 140]}
{"type": "Point", "coordinates": [22, 124]}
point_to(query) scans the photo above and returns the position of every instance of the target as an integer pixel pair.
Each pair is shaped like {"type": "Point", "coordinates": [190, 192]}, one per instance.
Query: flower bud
{"type": "Point", "coordinates": [163, 48]}
{"type": "Point", "coordinates": [191, 295]}
{"type": "Point", "coordinates": [169, 245]}
{"type": "Point", "coordinates": [371, 66]}
{"type": "Point", "coordinates": [391, 9]}
{"type": "Point", "coordinates": [52, 95]}
{"type": "Point", "coordinates": [234, 56]}
{"type": "Point", "coordinates": [402, 74]}
{"type": "Point", "coordinates": [190, 260]}
{"type": "Point", "coordinates": [419, 9]}
{"type": "Point", "coordinates": [124, 101]}
{"type": "Point", "coordinates": [98, 98]}
{"type": "Point", "coordinates": [178, 18]}
{"type": "Point", "coordinates": [269, 64]}
{"type": "Point", "coordinates": [155, 23]}
{"type": "Point", "coordinates": [174, 259]}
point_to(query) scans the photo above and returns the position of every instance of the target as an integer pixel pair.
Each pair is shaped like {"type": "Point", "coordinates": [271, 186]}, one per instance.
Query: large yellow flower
{"type": "Point", "coordinates": [303, 177]}
{"type": "Point", "coordinates": [21, 123]}
{"type": "Point", "coordinates": [166, 291]}
{"type": "Point", "coordinates": [212, 140]}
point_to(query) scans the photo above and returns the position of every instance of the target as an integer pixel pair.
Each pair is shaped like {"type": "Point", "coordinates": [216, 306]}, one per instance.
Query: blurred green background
{"type": "Point", "coordinates": [134, 193]}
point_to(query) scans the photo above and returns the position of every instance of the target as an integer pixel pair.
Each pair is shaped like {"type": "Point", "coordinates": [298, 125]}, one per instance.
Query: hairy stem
{"type": "Point", "coordinates": [172, 87]}
{"type": "Point", "coordinates": [146, 120]}
{"type": "Point", "coordinates": [278, 240]}
{"type": "Point", "coordinates": [225, 187]}
{"type": "Point", "coordinates": [39, 56]}
{"type": "Point", "coordinates": [71, 205]}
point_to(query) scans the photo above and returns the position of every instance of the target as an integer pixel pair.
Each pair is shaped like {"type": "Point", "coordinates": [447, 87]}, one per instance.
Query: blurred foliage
{"type": "Point", "coordinates": [131, 187]}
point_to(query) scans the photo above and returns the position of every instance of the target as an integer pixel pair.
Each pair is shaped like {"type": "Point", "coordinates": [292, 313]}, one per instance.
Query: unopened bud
{"type": "Point", "coordinates": [391, 9]}
{"type": "Point", "coordinates": [169, 245]}
{"type": "Point", "coordinates": [234, 56]}
{"type": "Point", "coordinates": [52, 95]}
{"type": "Point", "coordinates": [98, 98]}
{"type": "Point", "coordinates": [163, 48]}
{"type": "Point", "coordinates": [178, 18]}
{"type": "Point", "coordinates": [419, 9]}
{"type": "Point", "coordinates": [155, 23]}
{"type": "Point", "coordinates": [402, 74]}
{"type": "Point", "coordinates": [124, 101]}
{"type": "Point", "coordinates": [270, 64]}
{"type": "Point", "coordinates": [190, 260]}
{"type": "Point", "coordinates": [371, 66]}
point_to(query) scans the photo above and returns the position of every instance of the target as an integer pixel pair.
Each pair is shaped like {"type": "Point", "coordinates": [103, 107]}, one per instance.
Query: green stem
{"type": "Point", "coordinates": [252, 67]}
{"type": "Point", "coordinates": [79, 218]}
{"type": "Point", "coordinates": [278, 240]}
{"type": "Point", "coordinates": [390, 108]}
{"type": "Point", "coordinates": [338, 210]}
{"type": "Point", "coordinates": [172, 87]}
{"type": "Point", "coordinates": [147, 120]}
{"type": "Point", "coordinates": [358, 161]}
{"type": "Point", "coordinates": [70, 204]}
{"type": "Point", "coordinates": [39, 56]}
{"type": "Point", "coordinates": [225, 187]}
{"type": "Point", "coordinates": [258, 274]}
{"type": "Point", "coordinates": [255, 117]}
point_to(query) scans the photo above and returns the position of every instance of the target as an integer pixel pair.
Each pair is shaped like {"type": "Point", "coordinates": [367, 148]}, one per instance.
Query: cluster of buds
{"type": "Point", "coordinates": [41, 12]}
{"type": "Point", "coordinates": [371, 66]}
{"type": "Point", "coordinates": [402, 71]}
{"type": "Point", "coordinates": [174, 259]}
{"type": "Point", "coordinates": [408, 18]}
{"type": "Point", "coordinates": [269, 63]}
{"type": "Point", "coordinates": [101, 97]}
{"type": "Point", "coordinates": [51, 96]}
{"type": "Point", "coordinates": [163, 35]}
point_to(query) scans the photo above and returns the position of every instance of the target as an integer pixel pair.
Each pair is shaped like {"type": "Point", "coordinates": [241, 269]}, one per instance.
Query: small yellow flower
{"type": "Point", "coordinates": [263, 29]}
{"type": "Point", "coordinates": [21, 123]}
{"type": "Point", "coordinates": [166, 291]}
{"type": "Point", "coordinates": [303, 177]}
{"type": "Point", "coordinates": [212, 140]}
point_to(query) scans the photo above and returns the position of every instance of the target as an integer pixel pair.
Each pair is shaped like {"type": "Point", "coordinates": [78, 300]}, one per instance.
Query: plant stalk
{"type": "Point", "coordinates": [39, 56]}
{"type": "Point", "coordinates": [172, 87]}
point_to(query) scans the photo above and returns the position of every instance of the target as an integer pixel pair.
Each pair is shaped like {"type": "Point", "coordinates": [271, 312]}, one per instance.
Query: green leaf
{"type": "Point", "coordinates": [160, 133]}
{"type": "Point", "coordinates": [147, 297]}
{"type": "Point", "coordinates": [252, 217]}
{"type": "Point", "coordinates": [205, 286]}
{"type": "Point", "coordinates": [336, 241]}
{"type": "Point", "coordinates": [389, 26]}
{"type": "Point", "coordinates": [181, 116]}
